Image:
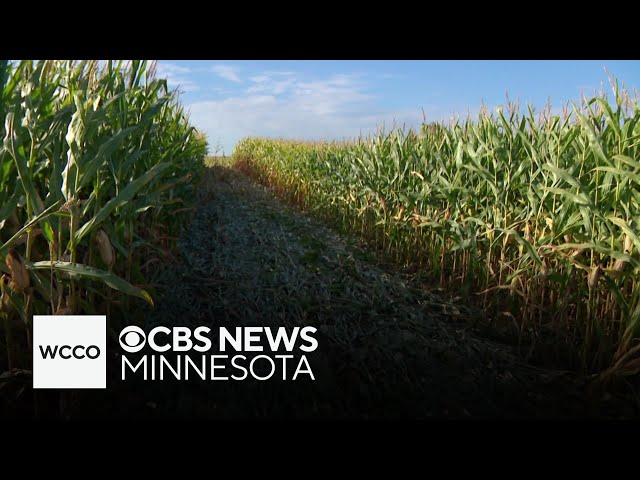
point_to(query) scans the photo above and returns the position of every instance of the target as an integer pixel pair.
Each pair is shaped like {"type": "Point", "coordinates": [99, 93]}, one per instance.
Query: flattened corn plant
{"type": "Point", "coordinates": [96, 164]}
{"type": "Point", "coordinates": [534, 215]}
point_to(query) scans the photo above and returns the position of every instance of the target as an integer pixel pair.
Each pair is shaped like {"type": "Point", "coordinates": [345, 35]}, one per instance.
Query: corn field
{"type": "Point", "coordinates": [96, 163]}
{"type": "Point", "coordinates": [532, 215]}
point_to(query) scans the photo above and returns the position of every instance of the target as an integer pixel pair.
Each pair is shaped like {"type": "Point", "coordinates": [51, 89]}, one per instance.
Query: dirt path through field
{"type": "Point", "coordinates": [386, 349]}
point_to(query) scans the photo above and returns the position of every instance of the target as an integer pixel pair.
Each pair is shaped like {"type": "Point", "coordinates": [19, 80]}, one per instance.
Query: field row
{"type": "Point", "coordinates": [534, 216]}
{"type": "Point", "coordinates": [97, 160]}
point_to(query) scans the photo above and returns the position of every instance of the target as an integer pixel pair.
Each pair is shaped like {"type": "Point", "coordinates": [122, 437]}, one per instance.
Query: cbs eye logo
{"type": "Point", "coordinates": [132, 339]}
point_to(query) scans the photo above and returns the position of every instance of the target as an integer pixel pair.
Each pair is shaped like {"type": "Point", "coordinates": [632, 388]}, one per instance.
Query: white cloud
{"type": "Point", "coordinates": [332, 96]}
{"type": "Point", "coordinates": [337, 107]}
{"type": "Point", "coordinates": [178, 76]}
{"type": "Point", "coordinates": [165, 68]}
{"type": "Point", "coordinates": [268, 85]}
{"type": "Point", "coordinates": [227, 72]}
{"type": "Point", "coordinates": [318, 97]}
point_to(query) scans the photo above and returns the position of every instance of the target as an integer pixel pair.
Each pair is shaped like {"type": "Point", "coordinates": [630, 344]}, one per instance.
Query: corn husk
{"type": "Point", "coordinates": [20, 279]}
{"type": "Point", "coordinates": [594, 277]}
{"type": "Point", "coordinates": [107, 252]}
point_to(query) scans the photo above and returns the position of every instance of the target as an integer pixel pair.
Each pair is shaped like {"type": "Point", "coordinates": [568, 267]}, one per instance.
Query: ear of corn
{"type": "Point", "coordinates": [107, 253]}
{"type": "Point", "coordinates": [20, 279]}
{"type": "Point", "coordinates": [512, 202]}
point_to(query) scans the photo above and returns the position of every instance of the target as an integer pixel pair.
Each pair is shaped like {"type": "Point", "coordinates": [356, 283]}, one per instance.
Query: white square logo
{"type": "Point", "coordinates": [69, 351]}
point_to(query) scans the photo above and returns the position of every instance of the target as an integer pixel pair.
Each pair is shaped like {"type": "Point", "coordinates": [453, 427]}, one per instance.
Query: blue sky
{"type": "Point", "coordinates": [314, 99]}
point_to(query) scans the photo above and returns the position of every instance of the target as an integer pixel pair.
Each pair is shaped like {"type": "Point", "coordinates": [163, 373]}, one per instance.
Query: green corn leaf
{"type": "Point", "coordinates": [626, 228]}
{"type": "Point", "coordinates": [91, 273]}
{"type": "Point", "coordinates": [121, 199]}
{"type": "Point", "coordinates": [594, 141]}
{"type": "Point", "coordinates": [53, 209]}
